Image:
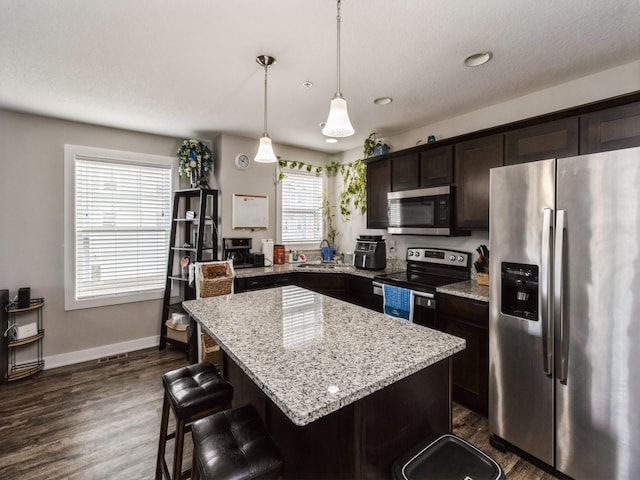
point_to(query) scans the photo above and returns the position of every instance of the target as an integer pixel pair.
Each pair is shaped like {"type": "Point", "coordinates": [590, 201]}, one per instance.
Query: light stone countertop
{"type": "Point", "coordinates": [298, 346]}
{"type": "Point", "coordinates": [317, 267]}
{"type": "Point", "coordinates": [468, 289]}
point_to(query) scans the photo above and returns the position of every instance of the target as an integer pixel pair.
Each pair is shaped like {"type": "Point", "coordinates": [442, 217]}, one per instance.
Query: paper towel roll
{"type": "Point", "coordinates": [267, 250]}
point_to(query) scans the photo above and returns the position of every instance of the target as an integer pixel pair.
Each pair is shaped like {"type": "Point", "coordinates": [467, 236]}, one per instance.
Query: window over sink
{"type": "Point", "coordinates": [300, 212]}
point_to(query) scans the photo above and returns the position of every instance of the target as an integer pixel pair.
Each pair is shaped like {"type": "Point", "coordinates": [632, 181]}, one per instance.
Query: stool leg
{"type": "Point", "coordinates": [195, 471]}
{"type": "Point", "coordinates": [177, 458]}
{"type": "Point", "coordinates": [164, 422]}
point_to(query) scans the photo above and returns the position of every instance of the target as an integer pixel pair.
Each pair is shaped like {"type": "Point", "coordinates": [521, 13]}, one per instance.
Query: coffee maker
{"type": "Point", "coordinates": [370, 253]}
{"type": "Point", "coordinates": [237, 250]}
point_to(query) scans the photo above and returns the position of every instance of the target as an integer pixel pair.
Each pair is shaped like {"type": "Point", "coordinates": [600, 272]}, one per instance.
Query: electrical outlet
{"type": "Point", "coordinates": [392, 246]}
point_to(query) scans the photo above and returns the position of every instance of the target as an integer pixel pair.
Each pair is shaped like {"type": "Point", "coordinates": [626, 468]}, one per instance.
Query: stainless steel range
{"type": "Point", "coordinates": [427, 269]}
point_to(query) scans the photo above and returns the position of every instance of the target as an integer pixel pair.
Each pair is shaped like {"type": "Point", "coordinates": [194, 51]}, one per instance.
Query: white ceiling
{"type": "Point", "coordinates": [187, 68]}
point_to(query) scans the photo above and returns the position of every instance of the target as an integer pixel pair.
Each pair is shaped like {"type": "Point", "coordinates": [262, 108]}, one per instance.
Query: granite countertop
{"type": "Point", "coordinates": [466, 289]}
{"type": "Point", "coordinates": [312, 354]}
{"type": "Point", "coordinates": [317, 267]}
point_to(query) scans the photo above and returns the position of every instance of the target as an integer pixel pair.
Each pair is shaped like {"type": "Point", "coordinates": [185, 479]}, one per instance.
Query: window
{"type": "Point", "coordinates": [301, 208]}
{"type": "Point", "coordinates": [117, 224]}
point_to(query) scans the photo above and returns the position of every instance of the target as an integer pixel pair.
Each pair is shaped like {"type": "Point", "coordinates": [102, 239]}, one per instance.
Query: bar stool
{"type": "Point", "coordinates": [191, 392]}
{"type": "Point", "coordinates": [234, 444]}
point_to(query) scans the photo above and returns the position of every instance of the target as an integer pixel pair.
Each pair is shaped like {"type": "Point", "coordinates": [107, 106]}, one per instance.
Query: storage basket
{"type": "Point", "coordinates": [177, 331]}
{"type": "Point", "coordinates": [214, 287]}
{"type": "Point", "coordinates": [215, 279]}
{"type": "Point", "coordinates": [210, 350]}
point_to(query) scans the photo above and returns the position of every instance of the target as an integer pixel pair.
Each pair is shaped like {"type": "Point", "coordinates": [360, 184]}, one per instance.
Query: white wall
{"type": "Point", "coordinates": [258, 179]}
{"type": "Point", "coordinates": [31, 231]}
{"type": "Point", "coordinates": [609, 83]}
{"type": "Point", "coordinates": [32, 219]}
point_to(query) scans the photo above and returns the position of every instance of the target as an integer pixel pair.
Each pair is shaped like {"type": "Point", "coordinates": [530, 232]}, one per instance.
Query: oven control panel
{"type": "Point", "coordinates": [438, 256]}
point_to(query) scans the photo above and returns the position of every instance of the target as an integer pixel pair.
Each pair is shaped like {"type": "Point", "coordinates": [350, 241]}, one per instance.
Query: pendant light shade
{"type": "Point", "coordinates": [265, 149]}
{"type": "Point", "coordinates": [338, 123]}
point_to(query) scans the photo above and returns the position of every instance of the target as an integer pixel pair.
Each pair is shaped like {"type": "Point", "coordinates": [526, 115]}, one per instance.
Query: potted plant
{"type": "Point", "coordinates": [380, 148]}
{"type": "Point", "coordinates": [374, 146]}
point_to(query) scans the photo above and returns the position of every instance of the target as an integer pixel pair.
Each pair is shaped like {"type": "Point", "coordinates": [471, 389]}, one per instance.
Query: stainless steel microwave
{"type": "Point", "coordinates": [427, 211]}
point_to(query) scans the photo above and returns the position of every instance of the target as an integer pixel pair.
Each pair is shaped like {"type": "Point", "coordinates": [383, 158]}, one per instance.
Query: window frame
{"type": "Point", "coordinates": [71, 153]}
{"type": "Point", "coordinates": [298, 245]}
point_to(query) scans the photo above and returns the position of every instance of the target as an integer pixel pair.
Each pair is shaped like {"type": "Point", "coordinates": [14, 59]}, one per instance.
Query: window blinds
{"type": "Point", "coordinates": [122, 224]}
{"type": "Point", "coordinates": [301, 208]}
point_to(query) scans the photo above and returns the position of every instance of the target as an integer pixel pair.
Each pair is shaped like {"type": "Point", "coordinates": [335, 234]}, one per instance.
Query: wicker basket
{"type": "Point", "coordinates": [210, 350]}
{"type": "Point", "coordinates": [215, 279]}
{"type": "Point", "coordinates": [218, 286]}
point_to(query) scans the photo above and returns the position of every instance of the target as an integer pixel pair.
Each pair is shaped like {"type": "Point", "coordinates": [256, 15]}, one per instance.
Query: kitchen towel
{"type": "Point", "coordinates": [398, 302]}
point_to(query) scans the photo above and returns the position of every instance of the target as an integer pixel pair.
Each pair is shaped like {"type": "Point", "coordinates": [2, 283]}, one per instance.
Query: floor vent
{"type": "Point", "coordinates": [113, 357]}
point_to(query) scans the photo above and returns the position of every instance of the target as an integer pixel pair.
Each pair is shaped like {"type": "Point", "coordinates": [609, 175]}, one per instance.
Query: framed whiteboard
{"type": "Point", "coordinates": [250, 212]}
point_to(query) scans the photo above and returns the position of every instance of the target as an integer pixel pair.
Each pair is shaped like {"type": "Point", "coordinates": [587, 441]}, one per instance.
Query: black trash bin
{"type": "Point", "coordinates": [446, 457]}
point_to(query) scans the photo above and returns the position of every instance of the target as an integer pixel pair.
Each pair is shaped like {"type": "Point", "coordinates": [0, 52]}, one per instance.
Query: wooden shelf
{"type": "Point", "coordinates": [26, 341]}
{"type": "Point", "coordinates": [14, 370]}
{"type": "Point", "coordinates": [179, 278]}
{"type": "Point", "coordinates": [25, 370]}
{"type": "Point", "coordinates": [36, 303]}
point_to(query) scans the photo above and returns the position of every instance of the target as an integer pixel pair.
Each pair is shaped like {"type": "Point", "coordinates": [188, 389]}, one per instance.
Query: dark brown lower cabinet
{"type": "Point", "coordinates": [468, 319]}
{"type": "Point", "coordinates": [361, 293]}
{"type": "Point", "coordinates": [330, 284]}
{"type": "Point", "coordinates": [264, 281]}
{"type": "Point", "coordinates": [351, 288]}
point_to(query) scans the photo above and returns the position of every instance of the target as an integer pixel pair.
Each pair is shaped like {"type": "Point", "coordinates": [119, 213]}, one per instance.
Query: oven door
{"type": "Point", "coordinates": [420, 212]}
{"type": "Point", "coordinates": [424, 306]}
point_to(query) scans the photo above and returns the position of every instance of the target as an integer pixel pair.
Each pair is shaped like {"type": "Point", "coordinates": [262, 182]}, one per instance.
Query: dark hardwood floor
{"type": "Point", "coordinates": [101, 421]}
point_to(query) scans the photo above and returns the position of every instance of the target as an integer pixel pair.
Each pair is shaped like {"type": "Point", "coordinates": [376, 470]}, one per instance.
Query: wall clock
{"type": "Point", "coordinates": [243, 161]}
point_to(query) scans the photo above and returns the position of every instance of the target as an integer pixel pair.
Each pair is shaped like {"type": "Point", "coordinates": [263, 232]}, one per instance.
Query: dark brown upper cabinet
{"type": "Point", "coordinates": [428, 168]}
{"type": "Point", "coordinates": [555, 139]}
{"type": "Point", "coordinates": [436, 166]}
{"type": "Point", "coordinates": [473, 160]}
{"type": "Point", "coordinates": [405, 172]}
{"type": "Point", "coordinates": [610, 129]}
{"type": "Point", "coordinates": [378, 184]}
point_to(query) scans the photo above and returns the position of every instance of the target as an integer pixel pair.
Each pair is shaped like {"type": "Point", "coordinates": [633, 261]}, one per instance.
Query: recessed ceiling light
{"type": "Point", "coordinates": [307, 84]}
{"type": "Point", "coordinates": [383, 100]}
{"type": "Point", "coordinates": [331, 140]}
{"type": "Point", "coordinates": [478, 59]}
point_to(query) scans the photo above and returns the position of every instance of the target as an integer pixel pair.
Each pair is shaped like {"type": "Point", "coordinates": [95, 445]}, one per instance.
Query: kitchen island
{"type": "Point", "coordinates": [343, 390]}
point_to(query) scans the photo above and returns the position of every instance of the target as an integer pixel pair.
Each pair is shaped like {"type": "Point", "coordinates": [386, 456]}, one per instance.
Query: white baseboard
{"type": "Point", "coordinates": [79, 356]}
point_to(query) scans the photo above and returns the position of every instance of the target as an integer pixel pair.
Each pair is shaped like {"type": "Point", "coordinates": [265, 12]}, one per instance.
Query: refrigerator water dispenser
{"type": "Point", "coordinates": [520, 290]}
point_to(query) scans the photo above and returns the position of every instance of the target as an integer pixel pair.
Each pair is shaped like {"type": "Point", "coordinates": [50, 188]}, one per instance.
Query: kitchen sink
{"type": "Point", "coordinates": [325, 266]}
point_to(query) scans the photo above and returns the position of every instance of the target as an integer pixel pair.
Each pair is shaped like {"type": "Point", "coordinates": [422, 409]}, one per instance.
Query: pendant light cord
{"type": "Point", "coordinates": [338, 56]}
{"type": "Point", "coordinates": [265, 101]}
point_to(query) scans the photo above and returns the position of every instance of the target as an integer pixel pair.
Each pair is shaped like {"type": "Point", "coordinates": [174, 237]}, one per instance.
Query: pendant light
{"type": "Point", "coordinates": [338, 124]}
{"type": "Point", "coordinates": [265, 149]}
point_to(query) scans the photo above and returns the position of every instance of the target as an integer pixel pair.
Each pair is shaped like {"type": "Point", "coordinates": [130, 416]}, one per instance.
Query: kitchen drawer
{"type": "Point", "coordinates": [266, 281]}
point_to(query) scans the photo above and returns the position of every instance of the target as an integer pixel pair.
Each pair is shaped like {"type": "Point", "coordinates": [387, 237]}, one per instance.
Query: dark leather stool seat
{"type": "Point", "coordinates": [234, 444]}
{"type": "Point", "coordinates": [191, 392]}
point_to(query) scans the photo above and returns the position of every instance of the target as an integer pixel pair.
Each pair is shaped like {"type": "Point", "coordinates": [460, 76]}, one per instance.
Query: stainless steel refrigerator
{"type": "Point", "coordinates": [564, 331]}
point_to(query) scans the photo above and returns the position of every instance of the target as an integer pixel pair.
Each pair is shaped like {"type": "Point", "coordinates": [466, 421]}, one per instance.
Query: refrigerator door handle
{"type": "Point", "coordinates": [558, 292]}
{"type": "Point", "coordinates": [545, 306]}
